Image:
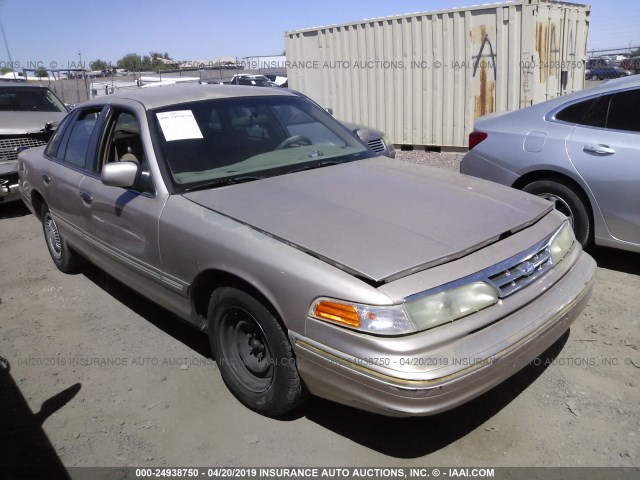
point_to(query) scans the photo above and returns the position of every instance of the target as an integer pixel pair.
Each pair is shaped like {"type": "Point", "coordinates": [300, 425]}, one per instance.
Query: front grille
{"type": "Point", "coordinates": [376, 145]}
{"type": "Point", "coordinates": [522, 273]}
{"type": "Point", "coordinates": [11, 146]}
{"type": "Point", "coordinates": [508, 276]}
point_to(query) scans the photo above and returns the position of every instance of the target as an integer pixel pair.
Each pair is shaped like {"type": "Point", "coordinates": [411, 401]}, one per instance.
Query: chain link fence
{"type": "Point", "coordinates": [609, 63]}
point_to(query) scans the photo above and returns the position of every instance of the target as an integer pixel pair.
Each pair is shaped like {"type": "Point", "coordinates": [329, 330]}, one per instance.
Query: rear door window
{"type": "Point", "coordinates": [623, 111]}
{"type": "Point", "coordinates": [574, 113]}
{"type": "Point", "coordinates": [76, 149]}
{"type": "Point", "coordinates": [596, 115]}
{"type": "Point", "coordinates": [52, 147]}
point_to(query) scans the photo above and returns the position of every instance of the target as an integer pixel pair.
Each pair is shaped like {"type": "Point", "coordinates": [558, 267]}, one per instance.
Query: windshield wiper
{"type": "Point", "coordinates": [223, 182]}
{"type": "Point", "coordinates": [326, 163]}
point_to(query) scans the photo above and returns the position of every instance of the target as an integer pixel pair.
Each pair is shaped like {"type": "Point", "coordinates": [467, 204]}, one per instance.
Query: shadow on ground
{"type": "Point", "coordinates": [396, 437]}
{"type": "Point", "coordinates": [13, 210]}
{"type": "Point", "coordinates": [26, 450]}
{"type": "Point", "coordinates": [419, 436]}
{"type": "Point", "coordinates": [153, 313]}
{"type": "Point", "coordinates": [618, 260]}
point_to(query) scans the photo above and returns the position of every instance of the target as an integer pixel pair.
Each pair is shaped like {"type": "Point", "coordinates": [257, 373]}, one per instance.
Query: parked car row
{"type": "Point", "coordinates": [313, 264]}
{"type": "Point", "coordinates": [607, 69]}
{"type": "Point", "coordinates": [607, 73]}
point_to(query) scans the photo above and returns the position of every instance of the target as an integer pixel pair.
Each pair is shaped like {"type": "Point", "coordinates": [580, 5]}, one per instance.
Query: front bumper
{"type": "Point", "coordinates": [382, 385]}
{"type": "Point", "coordinates": [9, 191]}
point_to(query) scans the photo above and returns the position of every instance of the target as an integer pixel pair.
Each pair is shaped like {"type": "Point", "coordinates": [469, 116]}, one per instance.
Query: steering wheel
{"type": "Point", "coordinates": [295, 140]}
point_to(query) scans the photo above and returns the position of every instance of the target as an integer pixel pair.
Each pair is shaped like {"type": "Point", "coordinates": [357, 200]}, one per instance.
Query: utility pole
{"type": "Point", "coordinates": [8, 52]}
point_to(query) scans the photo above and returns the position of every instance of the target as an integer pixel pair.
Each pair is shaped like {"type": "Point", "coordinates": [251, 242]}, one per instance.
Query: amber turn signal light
{"type": "Point", "coordinates": [337, 312]}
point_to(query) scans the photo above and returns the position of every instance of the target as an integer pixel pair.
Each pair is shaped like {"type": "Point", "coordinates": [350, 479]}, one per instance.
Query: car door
{"type": "Point", "coordinates": [70, 157]}
{"type": "Point", "coordinates": [124, 221]}
{"type": "Point", "coordinates": [605, 150]}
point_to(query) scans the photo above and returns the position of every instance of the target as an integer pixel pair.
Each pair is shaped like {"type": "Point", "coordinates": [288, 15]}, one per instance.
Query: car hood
{"type": "Point", "coordinates": [379, 219]}
{"type": "Point", "coordinates": [18, 123]}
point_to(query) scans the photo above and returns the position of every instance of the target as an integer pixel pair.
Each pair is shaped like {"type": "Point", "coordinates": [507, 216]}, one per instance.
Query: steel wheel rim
{"type": "Point", "coordinates": [246, 349]}
{"type": "Point", "coordinates": [52, 235]}
{"type": "Point", "coordinates": [561, 205]}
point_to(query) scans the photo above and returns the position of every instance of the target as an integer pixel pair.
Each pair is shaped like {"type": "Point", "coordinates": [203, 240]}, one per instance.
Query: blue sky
{"type": "Point", "coordinates": [47, 31]}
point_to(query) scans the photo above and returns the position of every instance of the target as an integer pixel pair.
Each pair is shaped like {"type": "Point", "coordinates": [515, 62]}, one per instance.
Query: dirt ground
{"type": "Point", "coordinates": [92, 374]}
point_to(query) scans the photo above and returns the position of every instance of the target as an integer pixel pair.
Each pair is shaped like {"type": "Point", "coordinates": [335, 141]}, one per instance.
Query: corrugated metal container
{"type": "Point", "coordinates": [425, 77]}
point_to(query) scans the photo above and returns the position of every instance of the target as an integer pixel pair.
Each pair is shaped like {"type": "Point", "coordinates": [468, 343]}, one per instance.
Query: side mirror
{"type": "Point", "coordinates": [329, 110]}
{"type": "Point", "coordinates": [120, 174]}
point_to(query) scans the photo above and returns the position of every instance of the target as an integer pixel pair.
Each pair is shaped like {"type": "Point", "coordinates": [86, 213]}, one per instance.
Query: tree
{"type": "Point", "coordinates": [42, 73]}
{"type": "Point", "coordinates": [99, 65]}
{"type": "Point", "coordinates": [131, 61]}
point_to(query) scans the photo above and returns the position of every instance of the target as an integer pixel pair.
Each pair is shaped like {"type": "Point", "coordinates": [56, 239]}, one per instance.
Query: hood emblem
{"type": "Point", "coordinates": [526, 268]}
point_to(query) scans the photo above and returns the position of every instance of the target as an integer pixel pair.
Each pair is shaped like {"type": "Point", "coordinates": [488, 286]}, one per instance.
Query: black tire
{"type": "Point", "coordinates": [253, 353]}
{"type": "Point", "coordinates": [64, 258]}
{"type": "Point", "coordinates": [568, 202]}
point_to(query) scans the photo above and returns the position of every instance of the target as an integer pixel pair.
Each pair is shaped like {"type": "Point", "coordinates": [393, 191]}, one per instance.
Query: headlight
{"type": "Point", "coordinates": [450, 305]}
{"type": "Point", "coordinates": [389, 145]}
{"type": "Point", "coordinates": [561, 243]}
{"type": "Point", "coordinates": [415, 316]}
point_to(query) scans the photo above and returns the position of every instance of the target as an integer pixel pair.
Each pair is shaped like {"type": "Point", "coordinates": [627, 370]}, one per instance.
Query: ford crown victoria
{"type": "Point", "coordinates": [314, 265]}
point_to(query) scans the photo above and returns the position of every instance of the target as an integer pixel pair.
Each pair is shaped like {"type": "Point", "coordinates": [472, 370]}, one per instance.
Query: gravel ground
{"type": "Point", "coordinates": [446, 160]}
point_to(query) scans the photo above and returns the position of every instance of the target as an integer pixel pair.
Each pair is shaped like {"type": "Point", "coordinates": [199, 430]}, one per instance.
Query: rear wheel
{"type": "Point", "coordinates": [253, 353]}
{"type": "Point", "coordinates": [64, 258]}
{"type": "Point", "coordinates": [567, 202]}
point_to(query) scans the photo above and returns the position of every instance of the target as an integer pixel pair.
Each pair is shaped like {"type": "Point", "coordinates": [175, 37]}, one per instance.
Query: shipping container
{"type": "Point", "coordinates": [424, 78]}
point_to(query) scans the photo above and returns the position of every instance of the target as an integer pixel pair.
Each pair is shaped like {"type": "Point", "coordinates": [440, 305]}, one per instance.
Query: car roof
{"type": "Point", "coordinates": [606, 87]}
{"type": "Point", "coordinates": [160, 96]}
{"type": "Point", "coordinates": [543, 108]}
{"type": "Point", "coordinates": [619, 83]}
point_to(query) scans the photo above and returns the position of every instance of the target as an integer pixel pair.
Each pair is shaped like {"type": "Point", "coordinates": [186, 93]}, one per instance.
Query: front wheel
{"type": "Point", "coordinates": [64, 258]}
{"type": "Point", "coordinates": [253, 353]}
{"type": "Point", "coordinates": [567, 202]}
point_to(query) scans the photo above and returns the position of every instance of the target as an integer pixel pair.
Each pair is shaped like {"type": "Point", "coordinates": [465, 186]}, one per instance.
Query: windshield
{"type": "Point", "coordinates": [247, 138]}
{"type": "Point", "coordinates": [260, 81]}
{"type": "Point", "coordinates": [25, 99]}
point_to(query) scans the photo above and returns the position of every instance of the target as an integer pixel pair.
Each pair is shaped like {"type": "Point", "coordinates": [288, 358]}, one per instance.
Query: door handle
{"type": "Point", "coordinates": [599, 149]}
{"type": "Point", "coordinates": [46, 178]}
{"type": "Point", "coordinates": [86, 196]}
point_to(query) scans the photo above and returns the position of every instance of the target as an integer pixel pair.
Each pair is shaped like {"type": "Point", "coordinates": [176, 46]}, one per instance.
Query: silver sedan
{"type": "Point", "coordinates": [580, 151]}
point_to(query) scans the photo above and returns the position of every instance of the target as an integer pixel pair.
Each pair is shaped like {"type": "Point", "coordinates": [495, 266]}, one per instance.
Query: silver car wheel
{"type": "Point", "coordinates": [53, 237]}
{"type": "Point", "coordinates": [559, 204]}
